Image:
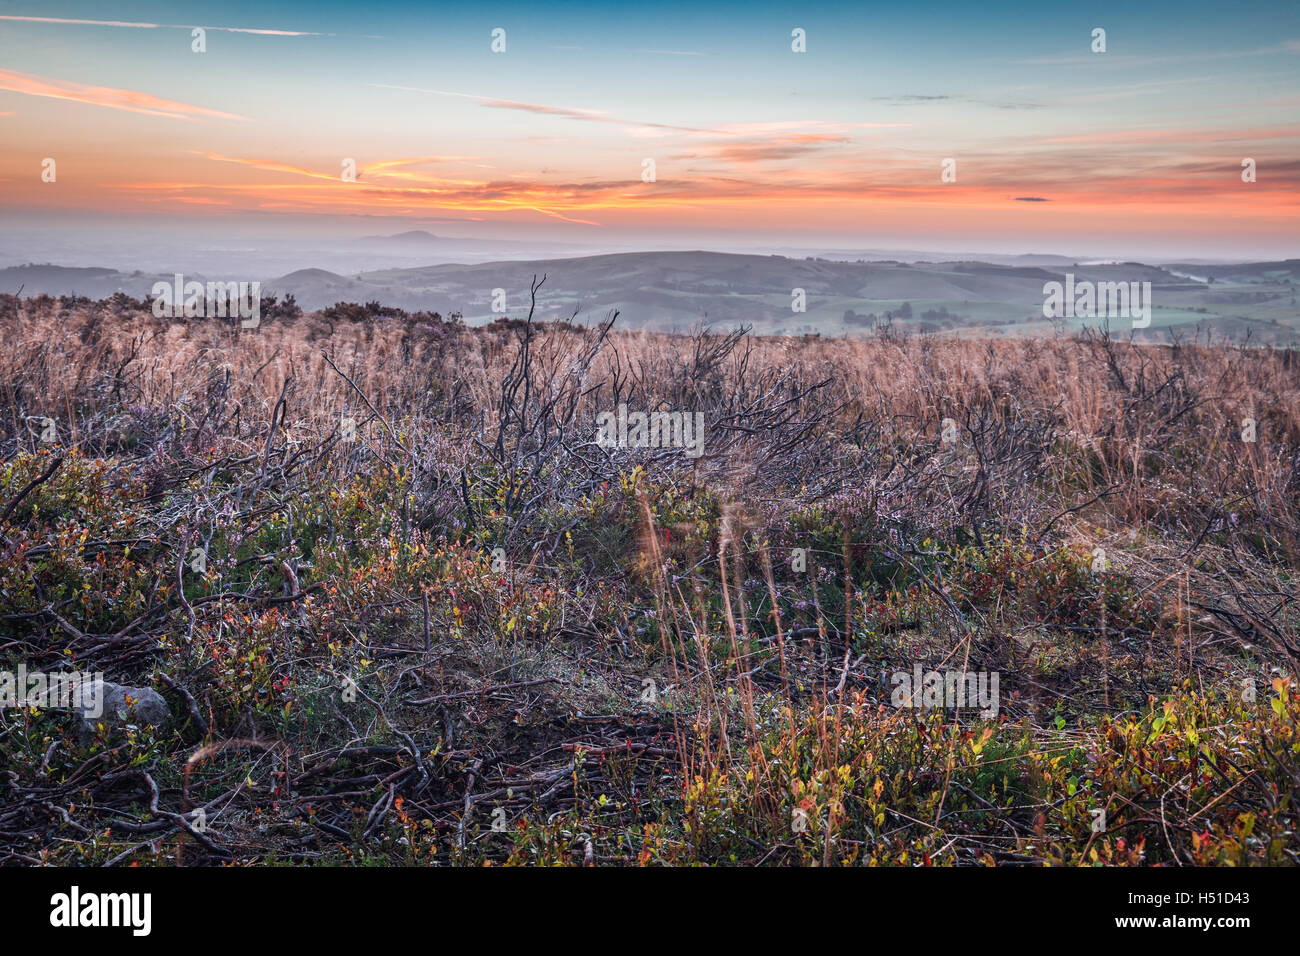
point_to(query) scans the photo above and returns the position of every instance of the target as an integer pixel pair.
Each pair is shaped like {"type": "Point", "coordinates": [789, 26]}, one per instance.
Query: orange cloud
{"type": "Point", "coordinates": [269, 165]}
{"type": "Point", "coordinates": [568, 112]}
{"type": "Point", "coordinates": [988, 187]}
{"type": "Point", "coordinates": [1187, 136]}
{"type": "Point", "coordinates": [131, 101]}
{"type": "Point", "coordinates": [777, 148]}
{"type": "Point", "coordinates": [384, 170]}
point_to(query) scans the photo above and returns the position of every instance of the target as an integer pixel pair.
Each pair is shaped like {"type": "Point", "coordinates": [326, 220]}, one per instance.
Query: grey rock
{"type": "Point", "coordinates": [121, 706]}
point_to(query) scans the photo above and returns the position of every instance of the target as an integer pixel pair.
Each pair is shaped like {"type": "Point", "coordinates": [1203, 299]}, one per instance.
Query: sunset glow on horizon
{"type": "Point", "coordinates": [1053, 146]}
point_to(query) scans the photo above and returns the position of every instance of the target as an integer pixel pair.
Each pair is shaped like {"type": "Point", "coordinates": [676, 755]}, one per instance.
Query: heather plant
{"type": "Point", "coordinates": [406, 607]}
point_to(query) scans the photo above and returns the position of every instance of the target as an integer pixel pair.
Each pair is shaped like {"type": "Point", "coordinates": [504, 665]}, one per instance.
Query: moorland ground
{"type": "Point", "coordinates": [406, 609]}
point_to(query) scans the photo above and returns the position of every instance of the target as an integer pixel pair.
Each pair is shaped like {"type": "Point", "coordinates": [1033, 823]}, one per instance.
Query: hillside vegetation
{"type": "Point", "coordinates": [406, 609]}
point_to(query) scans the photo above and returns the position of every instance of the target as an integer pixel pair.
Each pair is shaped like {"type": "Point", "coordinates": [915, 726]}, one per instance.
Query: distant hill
{"type": "Point", "coordinates": [678, 290]}
{"type": "Point", "coordinates": [93, 282]}
{"type": "Point", "coordinates": [412, 236]}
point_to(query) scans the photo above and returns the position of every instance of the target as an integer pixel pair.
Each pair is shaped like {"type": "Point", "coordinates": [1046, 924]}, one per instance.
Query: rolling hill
{"type": "Point", "coordinates": [679, 290]}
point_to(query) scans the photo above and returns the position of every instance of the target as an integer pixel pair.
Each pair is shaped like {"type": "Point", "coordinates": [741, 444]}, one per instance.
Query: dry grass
{"type": "Point", "coordinates": [521, 685]}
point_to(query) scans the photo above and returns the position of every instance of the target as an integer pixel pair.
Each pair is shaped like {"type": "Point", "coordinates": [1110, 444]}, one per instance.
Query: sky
{"type": "Point", "coordinates": [1135, 151]}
